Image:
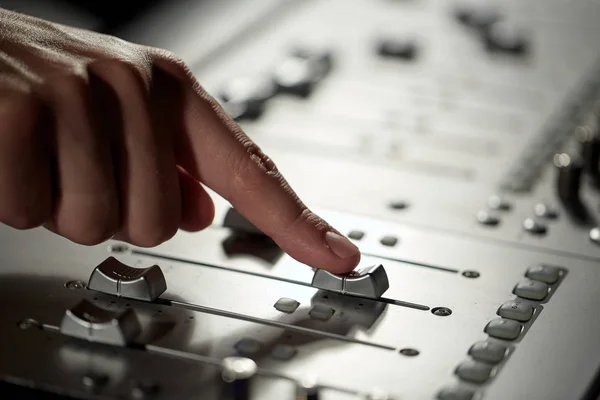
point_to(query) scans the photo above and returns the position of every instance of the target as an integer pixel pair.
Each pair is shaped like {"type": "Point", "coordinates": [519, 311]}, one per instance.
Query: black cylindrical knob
{"type": "Point", "coordinates": [238, 373]}
{"type": "Point", "coordinates": [307, 389]}
{"type": "Point", "coordinates": [589, 141]}
{"type": "Point", "coordinates": [569, 178]}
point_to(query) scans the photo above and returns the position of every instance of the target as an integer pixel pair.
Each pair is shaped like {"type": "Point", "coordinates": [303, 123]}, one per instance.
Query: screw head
{"type": "Point", "coordinates": [409, 352]}
{"type": "Point", "coordinates": [398, 205]}
{"type": "Point", "coordinates": [75, 285]}
{"type": "Point", "coordinates": [28, 323]}
{"type": "Point", "coordinates": [441, 311]}
{"type": "Point", "coordinates": [118, 248]}
{"type": "Point", "coordinates": [471, 274]}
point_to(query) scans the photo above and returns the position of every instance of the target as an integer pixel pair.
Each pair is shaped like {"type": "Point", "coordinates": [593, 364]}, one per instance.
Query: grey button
{"type": "Point", "coordinates": [90, 322]}
{"type": "Point", "coordinates": [389, 241]}
{"type": "Point", "coordinates": [517, 310]}
{"type": "Point", "coordinates": [248, 346]}
{"type": "Point", "coordinates": [595, 235]}
{"type": "Point", "coordinates": [321, 312]}
{"type": "Point", "coordinates": [474, 371]}
{"type": "Point", "coordinates": [456, 393]}
{"type": "Point", "coordinates": [248, 88]}
{"type": "Point", "coordinates": [297, 76]}
{"type": "Point", "coordinates": [543, 273]}
{"type": "Point", "coordinates": [545, 211]}
{"type": "Point", "coordinates": [488, 352]}
{"type": "Point", "coordinates": [116, 278]}
{"type": "Point", "coordinates": [283, 352]}
{"type": "Point", "coordinates": [534, 227]}
{"type": "Point", "coordinates": [501, 328]}
{"type": "Point", "coordinates": [356, 235]}
{"type": "Point", "coordinates": [506, 37]}
{"type": "Point", "coordinates": [499, 203]}
{"type": "Point", "coordinates": [369, 282]}
{"type": "Point", "coordinates": [532, 290]}
{"type": "Point", "coordinates": [286, 305]}
{"type": "Point", "coordinates": [485, 218]}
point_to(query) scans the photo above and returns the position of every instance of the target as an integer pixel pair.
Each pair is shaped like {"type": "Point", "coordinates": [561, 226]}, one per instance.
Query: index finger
{"type": "Point", "coordinates": [215, 150]}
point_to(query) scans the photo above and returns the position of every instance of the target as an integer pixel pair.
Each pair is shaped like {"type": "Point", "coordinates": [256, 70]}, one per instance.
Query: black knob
{"type": "Point", "coordinates": [569, 178]}
{"type": "Point", "coordinates": [505, 37]}
{"type": "Point", "coordinates": [476, 17]}
{"type": "Point", "coordinates": [307, 389]}
{"type": "Point", "coordinates": [237, 373]}
{"type": "Point", "coordinates": [401, 48]}
{"type": "Point", "coordinates": [589, 142]}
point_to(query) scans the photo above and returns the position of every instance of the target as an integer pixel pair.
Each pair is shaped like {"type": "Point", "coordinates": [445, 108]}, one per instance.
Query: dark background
{"type": "Point", "coordinates": [114, 14]}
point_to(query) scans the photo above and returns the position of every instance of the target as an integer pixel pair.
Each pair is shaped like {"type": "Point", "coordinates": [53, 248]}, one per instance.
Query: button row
{"type": "Point", "coordinates": [244, 98]}
{"type": "Point", "coordinates": [387, 240]}
{"type": "Point", "coordinates": [486, 355]}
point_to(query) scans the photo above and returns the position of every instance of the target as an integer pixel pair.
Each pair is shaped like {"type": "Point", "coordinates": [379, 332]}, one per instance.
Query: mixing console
{"type": "Point", "coordinates": [457, 144]}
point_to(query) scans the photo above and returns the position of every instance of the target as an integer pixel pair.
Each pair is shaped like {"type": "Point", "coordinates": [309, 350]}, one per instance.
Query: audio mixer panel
{"type": "Point", "coordinates": [457, 144]}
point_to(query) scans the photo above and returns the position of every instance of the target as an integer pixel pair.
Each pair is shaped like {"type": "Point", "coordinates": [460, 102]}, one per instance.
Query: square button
{"type": "Point", "coordinates": [283, 352]}
{"type": "Point", "coordinates": [455, 393]}
{"type": "Point", "coordinates": [474, 371]}
{"type": "Point", "coordinates": [286, 305]}
{"type": "Point", "coordinates": [517, 310]}
{"type": "Point", "coordinates": [488, 352]}
{"type": "Point", "coordinates": [543, 273]}
{"type": "Point", "coordinates": [502, 328]}
{"type": "Point", "coordinates": [321, 312]}
{"type": "Point", "coordinates": [389, 241]}
{"type": "Point", "coordinates": [248, 346]}
{"type": "Point", "coordinates": [532, 290]}
{"type": "Point", "coordinates": [356, 235]}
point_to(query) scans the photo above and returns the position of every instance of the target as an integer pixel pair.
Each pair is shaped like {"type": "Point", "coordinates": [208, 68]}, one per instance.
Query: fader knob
{"type": "Point", "coordinates": [90, 322]}
{"type": "Point", "coordinates": [371, 282]}
{"type": "Point", "coordinates": [569, 178]}
{"type": "Point", "coordinates": [115, 278]}
{"type": "Point", "coordinates": [589, 141]}
{"type": "Point", "coordinates": [238, 372]}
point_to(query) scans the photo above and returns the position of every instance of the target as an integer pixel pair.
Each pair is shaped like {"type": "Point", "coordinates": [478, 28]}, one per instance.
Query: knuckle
{"type": "Point", "coordinates": [16, 108]}
{"type": "Point", "coordinates": [89, 226]}
{"type": "Point", "coordinates": [23, 219]}
{"type": "Point", "coordinates": [153, 237]}
{"type": "Point", "coordinates": [122, 73]}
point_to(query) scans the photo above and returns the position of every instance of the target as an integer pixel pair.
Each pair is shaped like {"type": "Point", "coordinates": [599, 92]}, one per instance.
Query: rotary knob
{"type": "Point", "coordinates": [307, 389]}
{"type": "Point", "coordinates": [569, 178]}
{"type": "Point", "coordinates": [589, 143]}
{"type": "Point", "coordinates": [238, 372]}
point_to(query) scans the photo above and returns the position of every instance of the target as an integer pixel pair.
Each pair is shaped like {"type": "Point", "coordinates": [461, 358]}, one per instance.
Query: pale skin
{"type": "Point", "coordinates": [101, 138]}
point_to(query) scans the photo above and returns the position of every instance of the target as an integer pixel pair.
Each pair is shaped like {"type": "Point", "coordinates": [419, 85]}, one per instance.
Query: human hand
{"type": "Point", "coordinates": [102, 138]}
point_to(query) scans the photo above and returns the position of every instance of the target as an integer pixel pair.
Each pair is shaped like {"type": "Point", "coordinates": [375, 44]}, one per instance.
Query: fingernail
{"type": "Point", "coordinates": [340, 245]}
